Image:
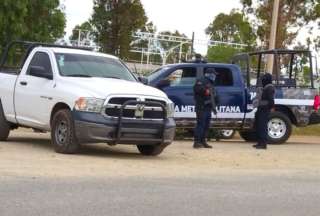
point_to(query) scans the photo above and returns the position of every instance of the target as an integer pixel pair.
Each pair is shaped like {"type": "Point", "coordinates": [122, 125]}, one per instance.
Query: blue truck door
{"type": "Point", "coordinates": [231, 98]}
{"type": "Point", "coordinates": [180, 90]}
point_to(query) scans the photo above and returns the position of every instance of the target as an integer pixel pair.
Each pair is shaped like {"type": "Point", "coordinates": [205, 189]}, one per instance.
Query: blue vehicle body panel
{"type": "Point", "coordinates": [233, 99]}
{"type": "Point", "coordinates": [235, 102]}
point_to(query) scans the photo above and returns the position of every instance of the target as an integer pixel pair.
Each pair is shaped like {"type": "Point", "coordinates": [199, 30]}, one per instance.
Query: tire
{"type": "Point", "coordinates": [4, 126]}
{"type": "Point", "coordinates": [279, 128]}
{"type": "Point", "coordinates": [151, 150]}
{"type": "Point", "coordinates": [276, 135]}
{"type": "Point", "coordinates": [249, 136]}
{"type": "Point", "coordinates": [63, 133]}
{"type": "Point", "coordinates": [227, 134]}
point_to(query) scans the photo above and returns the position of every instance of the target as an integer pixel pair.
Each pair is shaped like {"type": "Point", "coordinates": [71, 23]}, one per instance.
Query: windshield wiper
{"type": "Point", "coordinates": [78, 75]}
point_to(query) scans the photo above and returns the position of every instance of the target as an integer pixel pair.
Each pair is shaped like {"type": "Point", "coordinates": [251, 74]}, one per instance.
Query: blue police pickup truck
{"type": "Point", "coordinates": [297, 101]}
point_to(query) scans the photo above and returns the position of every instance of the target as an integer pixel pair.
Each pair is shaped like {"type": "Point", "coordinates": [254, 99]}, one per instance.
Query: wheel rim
{"type": "Point", "coordinates": [276, 128]}
{"type": "Point", "coordinates": [61, 132]}
{"type": "Point", "coordinates": [227, 133]}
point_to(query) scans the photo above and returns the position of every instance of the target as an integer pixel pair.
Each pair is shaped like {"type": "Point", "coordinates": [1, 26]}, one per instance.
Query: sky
{"type": "Point", "coordinates": [186, 16]}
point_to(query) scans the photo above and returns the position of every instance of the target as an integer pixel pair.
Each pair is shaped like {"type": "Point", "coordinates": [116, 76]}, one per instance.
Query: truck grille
{"type": "Point", "coordinates": [149, 111]}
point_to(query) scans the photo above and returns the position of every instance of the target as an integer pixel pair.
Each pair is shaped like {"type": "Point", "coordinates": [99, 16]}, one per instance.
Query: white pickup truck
{"type": "Point", "coordinates": [81, 97]}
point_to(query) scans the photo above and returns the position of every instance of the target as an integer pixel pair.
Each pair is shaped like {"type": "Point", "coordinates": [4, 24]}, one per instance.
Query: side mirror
{"type": "Point", "coordinates": [143, 80]}
{"type": "Point", "coordinates": [39, 71]}
{"type": "Point", "coordinates": [163, 83]}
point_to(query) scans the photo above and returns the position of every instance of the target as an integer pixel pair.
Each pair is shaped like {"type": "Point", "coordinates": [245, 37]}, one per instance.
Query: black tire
{"type": "Point", "coordinates": [227, 135]}
{"type": "Point", "coordinates": [249, 136]}
{"type": "Point", "coordinates": [63, 133]}
{"type": "Point", "coordinates": [4, 126]}
{"type": "Point", "coordinates": [151, 150]}
{"type": "Point", "coordinates": [286, 123]}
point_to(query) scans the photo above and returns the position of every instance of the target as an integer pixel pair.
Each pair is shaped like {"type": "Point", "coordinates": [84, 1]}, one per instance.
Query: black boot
{"type": "Point", "coordinates": [206, 145]}
{"type": "Point", "coordinates": [261, 147]}
{"type": "Point", "coordinates": [197, 145]}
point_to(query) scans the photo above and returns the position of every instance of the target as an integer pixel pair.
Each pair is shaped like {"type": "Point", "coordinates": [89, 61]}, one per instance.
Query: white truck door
{"type": "Point", "coordinates": [34, 92]}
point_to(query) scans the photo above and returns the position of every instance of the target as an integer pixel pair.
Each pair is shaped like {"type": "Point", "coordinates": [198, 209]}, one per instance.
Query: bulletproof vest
{"type": "Point", "coordinates": [203, 101]}
{"type": "Point", "coordinates": [264, 100]}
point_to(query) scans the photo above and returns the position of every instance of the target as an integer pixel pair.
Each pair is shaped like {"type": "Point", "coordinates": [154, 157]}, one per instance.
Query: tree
{"type": "Point", "coordinates": [114, 22]}
{"type": "Point", "coordinates": [33, 20]}
{"type": "Point", "coordinates": [233, 27]}
{"type": "Point", "coordinates": [221, 53]}
{"type": "Point", "coordinates": [293, 15]}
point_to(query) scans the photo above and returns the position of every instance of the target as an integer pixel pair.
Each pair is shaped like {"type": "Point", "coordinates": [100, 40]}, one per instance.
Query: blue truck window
{"type": "Point", "coordinates": [183, 77]}
{"type": "Point", "coordinates": [224, 76]}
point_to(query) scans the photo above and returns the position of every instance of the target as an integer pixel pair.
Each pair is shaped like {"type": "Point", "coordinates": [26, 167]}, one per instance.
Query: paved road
{"type": "Point", "coordinates": [232, 179]}
{"type": "Point", "coordinates": [219, 195]}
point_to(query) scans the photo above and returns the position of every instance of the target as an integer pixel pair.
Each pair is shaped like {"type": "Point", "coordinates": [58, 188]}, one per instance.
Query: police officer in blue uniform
{"type": "Point", "coordinates": [205, 100]}
{"type": "Point", "coordinates": [266, 105]}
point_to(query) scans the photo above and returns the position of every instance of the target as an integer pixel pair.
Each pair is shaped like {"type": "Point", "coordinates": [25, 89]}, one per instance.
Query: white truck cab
{"type": "Point", "coordinates": [82, 97]}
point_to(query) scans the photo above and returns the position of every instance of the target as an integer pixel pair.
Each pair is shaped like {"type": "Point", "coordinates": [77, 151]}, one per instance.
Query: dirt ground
{"type": "Point", "coordinates": [30, 154]}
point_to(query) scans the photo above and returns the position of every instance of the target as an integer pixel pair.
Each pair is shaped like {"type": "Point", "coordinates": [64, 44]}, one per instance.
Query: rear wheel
{"type": "Point", "coordinates": [63, 133]}
{"type": "Point", "coordinates": [151, 150]}
{"type": "Point", "coordinates": [279, 128]}
{"type": "Point", "coordinates": [4, 126]}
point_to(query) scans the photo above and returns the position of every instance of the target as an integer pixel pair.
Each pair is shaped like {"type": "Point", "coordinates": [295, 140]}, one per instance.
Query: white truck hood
{"type": "Point", "coordinates": [104, 87]}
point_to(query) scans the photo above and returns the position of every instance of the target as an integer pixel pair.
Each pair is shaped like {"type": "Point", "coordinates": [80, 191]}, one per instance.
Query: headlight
{"type": "Point", "coordinates": [170, 109]}
{"type": "Point", "coordinates": [89, 104]}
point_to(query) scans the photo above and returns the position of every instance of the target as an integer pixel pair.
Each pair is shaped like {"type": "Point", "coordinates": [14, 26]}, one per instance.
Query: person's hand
{"type": "Point", "coordinates": [215, 111]}
{"type": "Point", "coordinates": [273, 109]}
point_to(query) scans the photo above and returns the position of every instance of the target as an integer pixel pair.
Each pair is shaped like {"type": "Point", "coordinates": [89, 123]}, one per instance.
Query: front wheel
{"type": "Point", "coordinates": [4, 126]}
{"type": "Point", "coordinates": [249, 136]}
{"type": "Point", "coordinates": [63, 133]}
{"type": "Point", "coordinates": [227, 134]}
{"type": "Point", "coordinates": [151, 150]}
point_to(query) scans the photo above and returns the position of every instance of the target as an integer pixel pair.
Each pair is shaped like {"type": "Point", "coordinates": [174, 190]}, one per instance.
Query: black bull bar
{"type": "Point", "coordinates": [145, 103]}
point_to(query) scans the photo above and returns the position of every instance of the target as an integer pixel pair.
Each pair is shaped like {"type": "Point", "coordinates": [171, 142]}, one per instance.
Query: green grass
{"type": "Point", "coordinates": [313, 130]}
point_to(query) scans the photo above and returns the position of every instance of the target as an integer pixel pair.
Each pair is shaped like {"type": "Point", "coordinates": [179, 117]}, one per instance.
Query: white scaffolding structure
{"type": "Point", "coordinates": [147, 44]}
{"type": "Point", "coordinates": [154, 46]}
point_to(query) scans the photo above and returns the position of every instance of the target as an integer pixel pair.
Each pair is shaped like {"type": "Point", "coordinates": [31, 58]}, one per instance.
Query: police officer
{"type": "Point", "coordinates": [265, 106]}
{"type": "Point", "coordinates": [205, 99]}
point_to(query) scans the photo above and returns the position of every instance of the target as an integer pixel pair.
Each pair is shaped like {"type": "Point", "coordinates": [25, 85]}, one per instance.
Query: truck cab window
{"type": "Point", "coordinates": [41, 59]}
{"type": "Point", "coordinates": [183, 77]}
{"type": "Point", "coordinates": [224, 76]}
{"type": "Point", "coordinates": [13, 59]}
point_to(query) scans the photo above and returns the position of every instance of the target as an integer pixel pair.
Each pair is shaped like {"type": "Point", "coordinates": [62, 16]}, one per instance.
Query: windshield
{"type": "Point", "coordinates": [155, 74]}
{"type": "Point", "coordinates": [77, 65]}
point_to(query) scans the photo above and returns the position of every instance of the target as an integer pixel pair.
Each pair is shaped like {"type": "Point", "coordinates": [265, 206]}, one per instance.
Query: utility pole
{"type": "Point", "coordinates": [79, 36]}
{"type": "Point", "coordinates": [192, 43]}
{"type": "Point", "coordinates": [273, 34]}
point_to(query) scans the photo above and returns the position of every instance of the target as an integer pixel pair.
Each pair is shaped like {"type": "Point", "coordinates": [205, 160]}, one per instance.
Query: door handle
{"type": "Point", "coordinates": [188, 94]}
{"type": "Point", "coordinates": [24, 83]}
